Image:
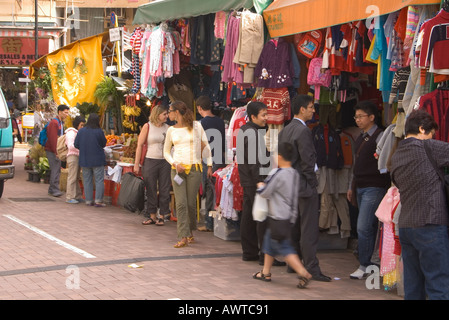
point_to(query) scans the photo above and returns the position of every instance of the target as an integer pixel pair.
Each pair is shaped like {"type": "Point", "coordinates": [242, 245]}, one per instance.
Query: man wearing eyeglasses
{"type": "Point", "coordinates": [369, 185]}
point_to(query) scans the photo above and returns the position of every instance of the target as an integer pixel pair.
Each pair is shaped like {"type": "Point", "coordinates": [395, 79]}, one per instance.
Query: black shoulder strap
{"type": "Point", "coordinates": [432, 160]}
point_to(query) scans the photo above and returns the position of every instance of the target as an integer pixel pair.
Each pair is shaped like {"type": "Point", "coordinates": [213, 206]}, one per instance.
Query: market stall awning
{"type": "Point", "coordinates": [165, 10]}
{"type": "Point", "coordinates": [287, 17]}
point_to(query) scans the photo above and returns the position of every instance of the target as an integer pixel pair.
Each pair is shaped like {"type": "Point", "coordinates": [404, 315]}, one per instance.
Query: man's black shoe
{"type": "Point", "coordinates": [276, 263]}
{"type": "Point", "coordinates": [250, 258]}
{"type": "Point", "coordinates": [321, 277]}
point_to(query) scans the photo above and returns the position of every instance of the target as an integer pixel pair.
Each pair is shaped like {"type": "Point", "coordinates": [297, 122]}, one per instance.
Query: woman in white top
{"type": "Point", "coordinates": [156, 170]}
{"type": "Point", "coordinates": [190, 145]}
{"type": "Point", "coordinates": [73, 194]}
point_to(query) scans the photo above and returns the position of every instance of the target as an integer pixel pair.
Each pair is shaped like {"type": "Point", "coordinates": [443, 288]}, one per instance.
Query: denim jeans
{"type": "Point", "coordinates": [425, 254]}
{"type": "Point", "coordinates": [368, 200]}
{"type": "Point", "coordinates": [89, 175]}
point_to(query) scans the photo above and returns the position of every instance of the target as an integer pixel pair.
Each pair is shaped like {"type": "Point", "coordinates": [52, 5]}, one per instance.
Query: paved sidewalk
{"type": "Point", "coordinates": [51, 250]}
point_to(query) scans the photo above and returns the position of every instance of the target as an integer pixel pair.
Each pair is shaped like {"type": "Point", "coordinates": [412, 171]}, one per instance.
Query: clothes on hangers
{"type": "Point", "coordinates": [250, 44]}
{"type": "Point", "coordinates": [160, 59]}
{"type": "Point", "coordinates": [238, 119]}
{"type": "Point", "coordinates": [436, 103]}
{"type": "Point", "coordinates": [274, 68]}
{"type": "Point", "coordinates": [327, 144]}
{"type": "Point", "coordinates": [333, 186]}
{"type": "Point", "coordinates": [390, 245]}
{"type": "Point", "coordinates": [229, 193]}
{"type": "Point", "coordinates": [231, 71]}
{"type": "Point", "coordinates": [206, 49]}
{"type": "Point", "coordinates": [278, 105]}
{"type": "Point", "coordinates": [435, 45]}
{"type": "Point", "coordinates": [136, 65]}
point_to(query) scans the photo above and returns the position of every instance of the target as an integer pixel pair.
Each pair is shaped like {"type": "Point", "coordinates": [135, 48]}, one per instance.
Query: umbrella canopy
{"type": "Point", "coordinates": [286, 17]}
{"type": "Point", "coordinates": [163, 10]}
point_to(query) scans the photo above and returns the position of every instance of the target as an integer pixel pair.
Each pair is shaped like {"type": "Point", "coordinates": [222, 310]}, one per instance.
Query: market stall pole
{"type": "Point", "coordinates": [115, 37]}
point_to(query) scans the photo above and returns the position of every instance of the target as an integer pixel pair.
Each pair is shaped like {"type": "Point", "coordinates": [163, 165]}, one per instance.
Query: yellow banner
{"type": "Point", "coordinates": [75, 71]}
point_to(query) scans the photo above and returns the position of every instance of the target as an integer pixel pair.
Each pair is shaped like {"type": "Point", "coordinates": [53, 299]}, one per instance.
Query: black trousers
{"type": "Point", "coordinates": [156, 174]}
{"type": "Point", "coordinates": [305, 233]}
{"type": "Point", "coordinates": [251, 232]}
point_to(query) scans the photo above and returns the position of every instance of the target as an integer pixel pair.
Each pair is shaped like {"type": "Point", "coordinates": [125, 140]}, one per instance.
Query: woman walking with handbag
{"type": "Point", "coordinates": [156, 170]}
{"type": "Point", "coordinates": [190, 144]}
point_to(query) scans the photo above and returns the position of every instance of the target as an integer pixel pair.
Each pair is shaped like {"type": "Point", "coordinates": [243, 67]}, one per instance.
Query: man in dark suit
{"type": "Point", "coordinates": [306, 231]}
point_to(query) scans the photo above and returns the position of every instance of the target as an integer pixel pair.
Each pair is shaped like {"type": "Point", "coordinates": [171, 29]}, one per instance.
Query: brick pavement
{"type": "Point", "coordinates": [35, 268]}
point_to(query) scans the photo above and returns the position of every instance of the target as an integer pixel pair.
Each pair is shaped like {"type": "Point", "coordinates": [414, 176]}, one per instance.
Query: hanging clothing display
{"type": "Point", "coordinates": [390, 248]}
{"type": "Point", "coordinates": [275, 68]}
{"type": "Point", "coordinates": [160, 59]}
{"type": "Point", "coordinates": [277, 101]}
{"type": "Point", "coordinates": [229, 193]}
{"type": "Point", "coordinates": [232, 71]}
{"type": "Point", "coordinates": [220, 25]}
{"type": "Point", "coordinates": [436, 103]}
{"type": "Point", "coordinates": [205, 48]}
{"type": "Point", "coordinates": [136, 65]}
{"type": "Point", "coordinates": [250, 44]}
{"type": "Point", "coordinates": [327, 144]}
{"type": "Point", "coordinates": [333, 186]}
{"type": "Point", "coordinates": [435, 45]}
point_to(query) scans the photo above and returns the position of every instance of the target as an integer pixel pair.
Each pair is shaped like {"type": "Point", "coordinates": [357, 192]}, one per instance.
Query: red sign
{"type": "Point", "coordinates": [20, 51]}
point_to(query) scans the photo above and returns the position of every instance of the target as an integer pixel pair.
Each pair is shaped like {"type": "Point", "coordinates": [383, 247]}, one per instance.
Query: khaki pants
{"type": "Point", "coordinates": [185, 198]}
{"type": "Point", "coordinates": [250, 45]}
{"type": "Point", "coordinates": [73, 176]}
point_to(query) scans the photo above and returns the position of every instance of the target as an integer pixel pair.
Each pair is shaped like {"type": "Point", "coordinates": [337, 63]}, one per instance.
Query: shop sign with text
{"type": "Point", "coordinates": [20, 52]}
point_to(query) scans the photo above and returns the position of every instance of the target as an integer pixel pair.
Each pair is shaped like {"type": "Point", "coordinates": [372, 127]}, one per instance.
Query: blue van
{"type": "Point", "coordinates": [6, 144]}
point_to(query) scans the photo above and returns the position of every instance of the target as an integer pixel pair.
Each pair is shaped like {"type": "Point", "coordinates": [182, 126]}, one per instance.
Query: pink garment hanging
{"type": "Point", "coordinates": [219, 23]}
{"type": "Point", "coordinates": [231, 72]}
{"type": "Point", "coordinates": [385, 213]}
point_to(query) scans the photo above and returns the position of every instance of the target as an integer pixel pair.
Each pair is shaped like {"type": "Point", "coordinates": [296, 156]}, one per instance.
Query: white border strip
{"type": "Point", "coordinates": [50, 237]}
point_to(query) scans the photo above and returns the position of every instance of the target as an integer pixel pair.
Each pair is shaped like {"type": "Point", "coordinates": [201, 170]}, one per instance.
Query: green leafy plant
{"type": "Point", "coordinates": [87, 108]}
{"type": "Point", "coordinates": [106, 92]}
{"type": "Point", "coordinates": [43, 166]}
{"type": "Point", "coordinates": [43, 81]}
{"type": "Point", "coordinates": [36, 152]}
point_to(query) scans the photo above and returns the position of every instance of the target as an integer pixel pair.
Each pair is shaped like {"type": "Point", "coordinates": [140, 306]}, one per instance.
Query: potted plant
{"type": "Point", "coordinates": [87, 108]}
{"type": "Point", "coordinates": [36, 152]}
{"type": "Point", "coordinates": [107, 93]}
{"type": "Point", "coordinates": [44, 169]}
{"type": "Point", "coordinates": [110, 98]}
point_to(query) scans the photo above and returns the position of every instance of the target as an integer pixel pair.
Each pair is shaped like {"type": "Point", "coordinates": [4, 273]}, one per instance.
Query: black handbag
{"type": "Point", "coordinates": [132, 192]}
{"type": "Point", "coordinates": [444, 177]}
{"type": "Point", "coordinates": [280, 229]}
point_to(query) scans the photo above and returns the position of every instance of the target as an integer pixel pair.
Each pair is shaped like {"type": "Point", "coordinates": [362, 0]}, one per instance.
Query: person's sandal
{"type": "Point", "coordinates": [160, 222]}
{"type": "Point", "coordinates": [148, 222]}
{"type": "Point", "coordinates": [190, 239]}
{"type": "Point", "coordinates": [262, 277]}
{"type": "Point", "coordinates": [181, 244]}
{"type": "Point", "coordinates": [303, 282]}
